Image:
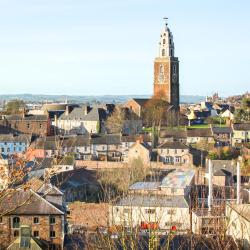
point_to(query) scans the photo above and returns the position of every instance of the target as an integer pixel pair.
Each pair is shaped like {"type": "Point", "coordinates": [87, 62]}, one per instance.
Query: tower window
{"type": "Point", "coordinates": [161, 68]}
{"type": "Point", "coordinates": [164, 41]}
{"type": "Point", "coordinates": [174, 69]}
{"type": "Point", "coordinates": [171, 52]}
{"type": "Point", "coordinates": [163, 52]}
{"type": "Point", "coordinates": [170, 41]}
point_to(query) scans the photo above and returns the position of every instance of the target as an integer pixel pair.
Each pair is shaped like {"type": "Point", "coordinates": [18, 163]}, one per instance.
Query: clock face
{"type": "Point", "coordinates": [174, 78]}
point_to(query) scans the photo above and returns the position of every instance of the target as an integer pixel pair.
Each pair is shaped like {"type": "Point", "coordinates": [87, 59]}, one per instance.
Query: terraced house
{"type": "Point", "coordinates": [11, 144]}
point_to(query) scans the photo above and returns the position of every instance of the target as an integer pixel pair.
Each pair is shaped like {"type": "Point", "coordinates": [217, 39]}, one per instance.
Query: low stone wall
{"type": "Point", "coordinates": [99, 164]}
{"type": "Point", "coordinates": [113, 165]}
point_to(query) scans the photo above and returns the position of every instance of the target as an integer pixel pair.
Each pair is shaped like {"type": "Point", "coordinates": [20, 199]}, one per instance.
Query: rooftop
{"type": "Point", "coordinates": [178, 179]}
{"type": "Point", "coordinates": [153, 201]}
{"type": "Point", "coordinates": [173, 145]}
{"type": "Point", "coordinates": [145, 186]}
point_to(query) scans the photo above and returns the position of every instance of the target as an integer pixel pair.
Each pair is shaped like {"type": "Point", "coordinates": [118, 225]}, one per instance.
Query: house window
{"type": "Point", "coordinates": [36, 233]}
{"type": "Point", "coordinates": [28, 125]}
{"type": "Point", "coordinates": [126, 210]}
{"type": "Point", "coordinates": [40, 125]}
{"type": "Point", "coordinates": [16, 222]}
{"type": "Point", "coordinates": [150, 211]}
{"type": "Point", "coordinates": [36, 220]}
{"type": "Point", "coordinates": [85, 149]}
{"type": "Point", "coordinates": [1, 219]}
{"type": "Point", "coordinates": [168, 159]}
{"type": "Point", "coordinates": [173, 190]}
{"type": "Point", "coordinates": [171, 211]}
{"type": "Point", "coordinates": [16, 233]}
{"type": "Point", "coordinates": [175, 151]}
{"type": "Point", "coordinates": [177, 159]}
{"type": "Point", "coordinates": [52, 220]}
{"type": "Point", "coordinates": [2, 150]}
{"type": "Point", "coordinates": [52, 234]}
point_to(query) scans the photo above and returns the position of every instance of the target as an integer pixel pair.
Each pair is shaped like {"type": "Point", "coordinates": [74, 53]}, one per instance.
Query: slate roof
{"type": "Point", "coordinates": [173, 145]}
{"type": "Point", "coordinates": [27, 117]}
{"type": "Point", "coordinates": [107, 139]}
{"type": "Point", "coordinates": [150, 185]}
{"type": "Point", "coordinates": [153, 201]}
{"type": "Point", "coordinates": [48, 188]}
{"type": "Point", "coordinates": [74, 178]}
{"type": "Point", "coordinates": [222, 130]}
{"type": "Point", "coordinates": [178, 179]}
{"type": "Point", "coordinates": [141, 101]}
{"type": "Point", "coordinates": [17, 138]}
{"type": "Point", "coordinates": [53, 143]}
{"type": "Point", "coordinates": [95, 114]}
{"type": "Point", "coordinates": [227, 165]}
{"type": "Point", "coordinates": [199, 132]}
{"type": "Point", "coordinates": [134, 138]}
{"type": "Point", "coordinates": [242, 126]}
{"type": "Point", "coordinates": [222, 172]}
{"type": "Point", "coordinates": [173, 133]}
{"type": "Point", "coordinates": [27, 202]}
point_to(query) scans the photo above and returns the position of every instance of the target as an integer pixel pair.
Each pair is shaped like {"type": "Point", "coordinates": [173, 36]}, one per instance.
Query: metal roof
{"type": "Point", "coordinates": [178, 179]}
{"type": "Point", "coordinates": [153, 201]}
{"type": "Point", "coordinates": [145, 186]}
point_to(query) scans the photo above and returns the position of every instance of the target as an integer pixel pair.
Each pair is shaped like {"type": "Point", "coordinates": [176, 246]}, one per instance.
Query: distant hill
{"type": "Point", "coordinates": [90, 99]}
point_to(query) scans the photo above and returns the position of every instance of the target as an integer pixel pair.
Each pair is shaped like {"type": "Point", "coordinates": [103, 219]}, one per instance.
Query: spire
{"type": "Point", "coordinates": [166, 23]}
{"type": "Point", "coordinates": [166, 44]}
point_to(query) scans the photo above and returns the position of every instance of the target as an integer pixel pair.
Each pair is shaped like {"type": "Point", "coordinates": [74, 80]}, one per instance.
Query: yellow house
{"type": "Point", "coordinates": [241, 133]}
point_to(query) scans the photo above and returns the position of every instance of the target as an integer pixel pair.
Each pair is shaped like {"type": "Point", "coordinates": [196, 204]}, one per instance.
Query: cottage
{"type": "Point", "coordinates": [151, 212]}
{"type": "Point", "coordinates": [241, 133]}
{"type": "Point", "coordinates": [200, 135]}
{"type": "Point", "coordinates": [139, 151]}
{"type": "Point", "coordinates": [175, 153]}
{"type": "Point", "coordinates": [222, 135]}
{"type": "Point", "coordinates": [81, 120]}
{"type": "Point", "coordinates": [14, 144]}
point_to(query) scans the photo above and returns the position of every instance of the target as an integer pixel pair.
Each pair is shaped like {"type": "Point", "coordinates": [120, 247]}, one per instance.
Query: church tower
{"type": "Point", "coordinates": [166, 69]}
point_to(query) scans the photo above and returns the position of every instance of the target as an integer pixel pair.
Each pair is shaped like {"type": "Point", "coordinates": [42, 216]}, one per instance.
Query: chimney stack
{"type": "Point", "coordinates": [67, 110]}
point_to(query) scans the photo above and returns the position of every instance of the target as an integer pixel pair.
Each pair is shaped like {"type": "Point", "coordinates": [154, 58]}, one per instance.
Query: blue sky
{"type": "Point", "coordinates": [95, 47]}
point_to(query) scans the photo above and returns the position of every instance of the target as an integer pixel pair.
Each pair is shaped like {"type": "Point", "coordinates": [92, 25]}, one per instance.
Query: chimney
{"type": "Point", "coordinates": [67, 110]}
{"type": "Point", "coordinates": [210, 185]}
{"type": "Point", "coordinates": [25, 237]}
{"type": "Point", "coordinates": [238, 182]}
{"type": "Point", "coordinates": [85, 109]}
{"type": "Point", "coordinates": [55, 118]}
{"type": "Point", "coordinates": [24, 112]}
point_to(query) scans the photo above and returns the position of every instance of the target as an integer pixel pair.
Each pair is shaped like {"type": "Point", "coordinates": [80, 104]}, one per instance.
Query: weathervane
{"type": "Point", "coordinates": [166, 20]}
